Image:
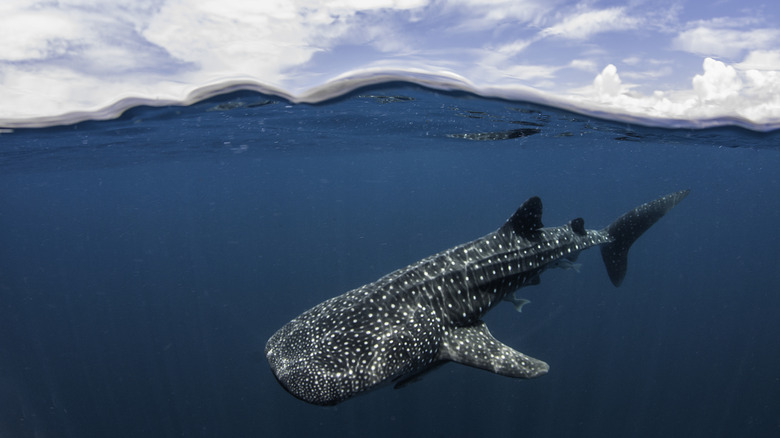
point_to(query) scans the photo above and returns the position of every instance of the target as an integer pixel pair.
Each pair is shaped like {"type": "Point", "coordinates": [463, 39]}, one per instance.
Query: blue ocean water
{"type": "Point", "coordinates": [145, 261]}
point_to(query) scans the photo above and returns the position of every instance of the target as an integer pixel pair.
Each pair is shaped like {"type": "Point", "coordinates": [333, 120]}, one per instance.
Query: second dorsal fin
{"type": "Point", "coordinates": [527, 219]}
{"type": "Point", "coordinates": [578, 226]}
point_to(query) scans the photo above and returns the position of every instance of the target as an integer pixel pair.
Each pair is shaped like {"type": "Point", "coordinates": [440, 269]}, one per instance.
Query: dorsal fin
{"type": "Point", "coordinates": [578, 226]}
{"type": "Point", "coordinates": [527, 218]}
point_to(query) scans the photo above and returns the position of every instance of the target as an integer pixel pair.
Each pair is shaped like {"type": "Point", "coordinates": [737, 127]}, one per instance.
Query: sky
{"type": "Point", "coordinates": [665, 63]}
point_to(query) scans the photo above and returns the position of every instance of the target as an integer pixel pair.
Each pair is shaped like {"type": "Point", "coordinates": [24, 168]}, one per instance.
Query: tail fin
{"type": "Point", "coordinates": [627, 228]}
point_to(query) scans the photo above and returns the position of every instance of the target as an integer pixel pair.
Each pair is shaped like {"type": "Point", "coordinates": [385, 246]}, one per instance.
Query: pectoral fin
{"type": "Point", "coordinates": [476, 347]}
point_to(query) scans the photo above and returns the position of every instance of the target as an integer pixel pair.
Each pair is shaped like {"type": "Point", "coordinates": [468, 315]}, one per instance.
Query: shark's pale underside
{"type": "Point", "coordinates": [430, 312]}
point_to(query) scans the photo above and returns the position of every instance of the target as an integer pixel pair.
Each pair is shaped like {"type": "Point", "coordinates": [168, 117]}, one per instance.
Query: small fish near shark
{"type": "Point", "coordinates": [416, 318]}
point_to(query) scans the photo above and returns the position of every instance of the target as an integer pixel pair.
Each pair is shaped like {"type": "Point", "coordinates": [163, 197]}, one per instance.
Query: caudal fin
{"type": "Point", "coordinates": [627, 228]}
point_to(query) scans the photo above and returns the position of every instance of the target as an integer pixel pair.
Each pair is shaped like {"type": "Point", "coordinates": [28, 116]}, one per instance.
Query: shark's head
{"type": "Point", "coordinates": [313, 382]}
{"type": "Point", "coordinates": [337, 350]}
{"type": "Point", "coordinates": [312, 364]}
{"type": "Point", "coordinates": [303, 369]}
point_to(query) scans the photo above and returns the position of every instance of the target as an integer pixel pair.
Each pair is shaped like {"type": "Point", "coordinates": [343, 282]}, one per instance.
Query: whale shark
{"type": "Point", "coordinates": [429, 313]}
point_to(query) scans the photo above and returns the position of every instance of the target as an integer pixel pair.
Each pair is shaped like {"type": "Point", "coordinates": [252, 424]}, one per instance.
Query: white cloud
{"type": "Point", "coordinates": [719, 81]}
{"type": "Point", "coordinates": [514, 74]}
{"type": "Point", "coordinates": [530, 72]}
{"type": "Point", "coordinates": [583, 64]}
{"type": "Point", "coordinates": [767, 83]}
{"type": "Point", "coordinates": [642, 61]}
{"type": "Point", "coordinates": [480, 15]}
{"type": "Point", "coordinates": [762, 83]}
{"type": "Point", "coordinates": [513, 48]}
{"type": "Point", "coordinates": [586, 24]}
{"type": "Point", "coordinates": [724, 42]}
{"type": "Point", "coordinates": [28, 35]}
{"type": "Point", "coordinates": [608, 83]}
{"type": "Point", "coordinates": [258, 43]}
{"type": "Point", "coordinates": [721, 90]}
{"type": "Point", "coordinates": [761, 60]}
{"type": "Point", "coordinates": [633, 60]}
{"type": "Point", "coordinates": [646, 68]}
{"type": "Point", "coordinates": [501, 56]}
{"type": "Point", "coordinates": [645, 75]}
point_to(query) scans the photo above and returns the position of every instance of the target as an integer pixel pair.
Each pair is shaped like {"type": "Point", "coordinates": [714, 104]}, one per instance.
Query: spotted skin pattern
{"type": "Point", "coordinates": [430, 312]}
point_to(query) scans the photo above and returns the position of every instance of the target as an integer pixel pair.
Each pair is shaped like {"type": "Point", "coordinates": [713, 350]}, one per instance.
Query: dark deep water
{"type": "Point", "coordinates": [145, 261]}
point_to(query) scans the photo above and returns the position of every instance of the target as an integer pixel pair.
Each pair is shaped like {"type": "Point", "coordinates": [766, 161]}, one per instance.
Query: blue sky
{"type": "Point", "coordinates": [654, 60]}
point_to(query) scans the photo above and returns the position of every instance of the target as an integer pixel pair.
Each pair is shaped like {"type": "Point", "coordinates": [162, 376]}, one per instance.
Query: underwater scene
{"type": "Point", "coordinates": [182, 181]}
{"type": "Point", "coordinates": [147, 260]}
